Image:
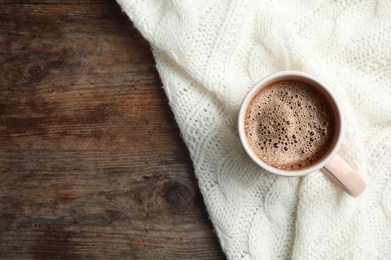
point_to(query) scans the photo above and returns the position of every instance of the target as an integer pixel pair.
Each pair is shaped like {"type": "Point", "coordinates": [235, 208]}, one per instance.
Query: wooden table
{"type": "Point", "coordinates": [91, 160]}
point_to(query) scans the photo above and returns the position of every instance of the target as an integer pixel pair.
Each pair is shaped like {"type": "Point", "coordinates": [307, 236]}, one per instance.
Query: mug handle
{"type": "Point", "coordinates": [341, 173]}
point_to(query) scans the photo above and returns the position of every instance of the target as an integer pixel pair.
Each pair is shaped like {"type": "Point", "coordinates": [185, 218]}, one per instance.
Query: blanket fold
{"type": "Point", "coordinates": [210, 53]}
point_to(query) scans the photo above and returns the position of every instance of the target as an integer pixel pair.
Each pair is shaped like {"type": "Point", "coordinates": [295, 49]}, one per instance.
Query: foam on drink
{"type": "Point", "coordinates": [289, 125]}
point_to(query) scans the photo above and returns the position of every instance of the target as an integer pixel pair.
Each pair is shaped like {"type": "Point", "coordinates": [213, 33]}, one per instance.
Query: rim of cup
{"type": "Point", "coordinates": [324, 90]}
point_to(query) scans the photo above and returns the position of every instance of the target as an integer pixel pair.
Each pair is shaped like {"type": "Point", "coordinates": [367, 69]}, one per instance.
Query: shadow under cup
{"type": "Point", "coordinates": [324, 91]}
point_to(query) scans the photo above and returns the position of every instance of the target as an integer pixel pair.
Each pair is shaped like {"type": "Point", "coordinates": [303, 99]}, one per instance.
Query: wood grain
{"type": "Point", "coordinates": [78, 83]}
{"type": "Point", "coordinates": [56, 1]}
{"type": "Point", "coordinates": [91, 160]}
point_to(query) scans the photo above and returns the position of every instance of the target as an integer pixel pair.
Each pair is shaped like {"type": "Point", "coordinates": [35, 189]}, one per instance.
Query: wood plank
{"type": "Point", "coordinates": [100, 204]}
{"type": "Point", "coordinates": [57, 2]}
{"type": "Point", "coordinates": [91, 160]}
{"type": "Point", "coordinates": [83, 81]}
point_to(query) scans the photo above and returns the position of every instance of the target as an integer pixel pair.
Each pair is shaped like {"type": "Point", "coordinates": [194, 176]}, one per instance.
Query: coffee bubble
{"type": "Point", "coordinates": [289, 125]}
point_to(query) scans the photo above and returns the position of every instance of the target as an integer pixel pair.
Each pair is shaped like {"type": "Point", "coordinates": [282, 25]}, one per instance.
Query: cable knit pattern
{"type": "Point", "coordinates": [209, 53]}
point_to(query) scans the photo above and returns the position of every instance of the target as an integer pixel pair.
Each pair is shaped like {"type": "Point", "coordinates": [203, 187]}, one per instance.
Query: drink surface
{"type": "Point", "coordinates": [289, 125]}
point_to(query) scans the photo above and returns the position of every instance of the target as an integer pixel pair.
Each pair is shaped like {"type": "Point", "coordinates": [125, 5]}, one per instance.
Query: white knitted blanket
{"type": "Point", "coordinates": [209, 53]}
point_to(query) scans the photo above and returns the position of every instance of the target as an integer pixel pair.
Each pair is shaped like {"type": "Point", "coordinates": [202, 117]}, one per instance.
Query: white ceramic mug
{"type": "Point", "coordinates": [330, 163]}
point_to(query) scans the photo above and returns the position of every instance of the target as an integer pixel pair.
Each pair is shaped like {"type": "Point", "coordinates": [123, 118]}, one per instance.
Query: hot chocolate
{"type": "Point", "coordinates": [289, 125]}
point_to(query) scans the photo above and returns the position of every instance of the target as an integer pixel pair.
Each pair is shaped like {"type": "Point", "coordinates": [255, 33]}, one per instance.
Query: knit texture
{"type": "Point", "coordinates": [209, 53]}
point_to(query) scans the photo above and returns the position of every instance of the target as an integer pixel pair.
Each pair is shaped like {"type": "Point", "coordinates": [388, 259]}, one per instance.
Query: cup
{"type": "Point", "coordinates": [329, 163]}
